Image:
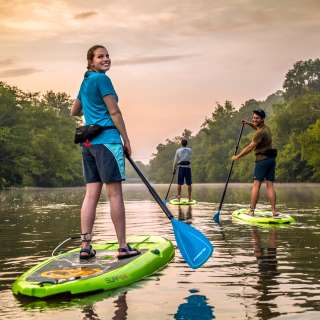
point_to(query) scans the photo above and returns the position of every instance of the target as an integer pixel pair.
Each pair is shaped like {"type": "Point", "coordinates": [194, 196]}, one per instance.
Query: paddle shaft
{"type": "Point", "coordinates": [173, 174]}
{"type": "Point", "coordinates": [151, 189]}
{"type": "Point", "coordinates": [230, 171]}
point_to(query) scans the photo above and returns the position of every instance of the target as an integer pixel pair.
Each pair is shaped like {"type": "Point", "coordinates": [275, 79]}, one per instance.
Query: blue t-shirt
{"type": "Point", "coordinates": [94, 87]}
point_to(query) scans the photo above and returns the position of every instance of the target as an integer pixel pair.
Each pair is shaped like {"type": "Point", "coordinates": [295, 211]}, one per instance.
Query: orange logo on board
{"type": "Point", "coordinates": [70, 273]}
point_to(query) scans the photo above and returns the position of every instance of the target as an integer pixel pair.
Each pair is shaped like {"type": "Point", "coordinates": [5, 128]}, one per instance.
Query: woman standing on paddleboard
{"type": "Point", "coordinates": [103, 154]}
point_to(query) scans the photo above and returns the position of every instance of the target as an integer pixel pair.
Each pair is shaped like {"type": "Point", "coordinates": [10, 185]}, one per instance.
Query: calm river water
{"type": "Point", "coordinates": [255, 273]}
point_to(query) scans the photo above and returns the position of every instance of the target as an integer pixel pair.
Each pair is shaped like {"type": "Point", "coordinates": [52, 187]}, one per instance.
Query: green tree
{"type": "Point", "coordinates": [13, 136]}
{"type": "Point", "coordinates": [294, 117]}
{"type": "Point", "coordinates": [304, 77]}
{"type": "Point", "coordinates": [310, 142]}
{"type": "Point", "coordinates": [36, 136]}
{"type": "Point", "coordinates": [161, 165]}
{"type": "Point", "coordinates": [60, 102]}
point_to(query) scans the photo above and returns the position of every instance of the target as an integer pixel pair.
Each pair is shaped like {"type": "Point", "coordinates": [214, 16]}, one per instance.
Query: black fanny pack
{"type": "Point", "coordinates": [270, 153]}
{"type": "Point", "coordinates": [183, 163]}
{"type": "Point", "coordinates": [89, 132]}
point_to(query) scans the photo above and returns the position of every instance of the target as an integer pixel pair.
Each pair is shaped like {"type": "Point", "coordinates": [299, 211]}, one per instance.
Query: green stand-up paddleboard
{"type": "Point", "coordinates": [66, 273]}
{"type": "Point", "coordinates": [262, 217]}
{"type": "Point", "coordinates": [183, 201]}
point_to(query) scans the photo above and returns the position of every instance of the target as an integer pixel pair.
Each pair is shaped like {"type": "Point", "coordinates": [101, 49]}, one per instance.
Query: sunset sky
{"type": "Point", "coordinates": [171, 60]}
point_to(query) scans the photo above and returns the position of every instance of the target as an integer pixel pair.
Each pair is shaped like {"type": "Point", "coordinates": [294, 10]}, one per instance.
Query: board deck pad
{"type": "Point", "coordinates": [70, 267]}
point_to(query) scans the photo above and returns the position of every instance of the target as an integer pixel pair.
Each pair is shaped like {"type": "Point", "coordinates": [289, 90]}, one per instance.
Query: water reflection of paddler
{"type": "Point", "coordinates": [121, 307]}
{"type": "Point", "coordinates": [196, 308]}
{"type": "Point", "coordinates": [268, 270]}
{"type": "Point", "coordinates": [89, 313]}
{"type": "Point", "coordinates": [182, 161]}
{"type": "Point", "coordinates": [120, 312]}
{"type": "Point", "coordinates": [185, 215]}
{"type": "Point", "coordinates": [266, 256]}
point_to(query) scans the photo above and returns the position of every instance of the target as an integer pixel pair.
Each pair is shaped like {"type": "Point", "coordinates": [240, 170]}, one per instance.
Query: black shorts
{"type": "Point", "coordinates": [265, 170]}
{"type": "Point", "coordinates": [184, 175]}
{"type": "Point", "coordinates": [103, 163]}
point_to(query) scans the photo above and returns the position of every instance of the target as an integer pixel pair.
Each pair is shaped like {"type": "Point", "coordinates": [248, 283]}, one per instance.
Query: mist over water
{"type": "Point", "coordinates": [255, 273]}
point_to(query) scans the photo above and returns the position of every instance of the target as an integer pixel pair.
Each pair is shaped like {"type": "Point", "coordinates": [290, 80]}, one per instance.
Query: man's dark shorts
{"type": "Point", "coordinates": [103, 163]}
{"type": "Point", "coordinates": [265, 170]}
{"type": "Point", "coordinates": [184, 175]}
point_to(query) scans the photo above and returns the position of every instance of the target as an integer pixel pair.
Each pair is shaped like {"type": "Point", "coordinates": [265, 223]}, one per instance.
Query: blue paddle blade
{"type": "Point", "coordinates": [194, 247]}
{"type": "Point", "coordinates": [216, 217]}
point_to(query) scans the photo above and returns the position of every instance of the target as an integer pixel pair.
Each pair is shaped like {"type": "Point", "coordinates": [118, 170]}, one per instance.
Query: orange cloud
{"type": "Point", "coordinates": [6, 62]}
{"type": "Point", "coordinates": [85, 15]}
{"type": "Point", "coordinates": [145, 60]}
{"type": "Point", "coordinates": [18, 72]}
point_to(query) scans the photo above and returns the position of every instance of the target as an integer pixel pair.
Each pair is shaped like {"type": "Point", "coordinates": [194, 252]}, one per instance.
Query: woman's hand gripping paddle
{"type": "Point", "coordinates": [194, 247]}
{"type": "Point", "coordinates": [217, 215]}
{"type": "Point", "coordinates": [166, 198]}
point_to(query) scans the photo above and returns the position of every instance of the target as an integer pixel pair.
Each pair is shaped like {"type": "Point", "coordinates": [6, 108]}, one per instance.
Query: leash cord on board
{"type": "Point", "coordinates": [62, 243]}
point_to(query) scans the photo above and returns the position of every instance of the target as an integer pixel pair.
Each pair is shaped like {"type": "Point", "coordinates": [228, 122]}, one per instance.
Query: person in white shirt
{"type": "Point", "coordinates": [182, 161]}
